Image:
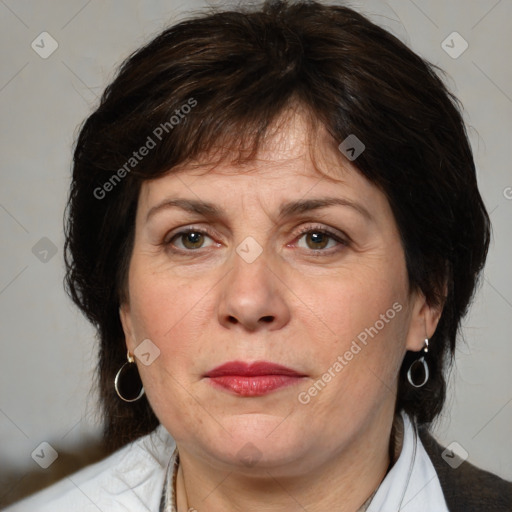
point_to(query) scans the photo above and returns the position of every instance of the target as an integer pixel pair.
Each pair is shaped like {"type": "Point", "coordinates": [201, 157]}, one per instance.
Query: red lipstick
{"type": "Point", "coordinates": [254, 379]}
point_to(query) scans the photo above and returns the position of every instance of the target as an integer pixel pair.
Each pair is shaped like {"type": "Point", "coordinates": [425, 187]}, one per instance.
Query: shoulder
{"type": "Point", "coordinates": [129, 479]}
{"type": "Point", "coordinates": [467, 488]}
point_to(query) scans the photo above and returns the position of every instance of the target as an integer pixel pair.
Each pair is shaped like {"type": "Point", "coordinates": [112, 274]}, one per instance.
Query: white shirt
{"type": "Point", "coordinates": [132, 480]}
{"type": "Point", "coordinates": [412, 484]}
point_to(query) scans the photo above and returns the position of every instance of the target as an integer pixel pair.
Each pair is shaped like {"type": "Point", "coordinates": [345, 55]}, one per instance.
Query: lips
{"type": "Point", "coordinates": [254, 379]}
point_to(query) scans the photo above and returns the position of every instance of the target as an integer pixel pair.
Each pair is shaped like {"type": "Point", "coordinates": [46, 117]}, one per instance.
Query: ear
{"type": "Point", "coordinates": [423, 324]}
{"type": "Point", "coordinates": [126, 321]}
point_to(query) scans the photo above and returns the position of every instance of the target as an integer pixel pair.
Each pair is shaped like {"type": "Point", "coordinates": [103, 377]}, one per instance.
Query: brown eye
{"type": "Point", "coordinates": [318, 239]}
{"type": "Point", "coordinates": [192, 239]}
{"type": "Point", "coordinates": [188, 240]}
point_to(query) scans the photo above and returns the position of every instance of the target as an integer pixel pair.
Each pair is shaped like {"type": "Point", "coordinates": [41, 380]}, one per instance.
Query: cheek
{"type": "Point", "coordinates": [165, 314]}
{"type": "Point", "coordinates": [165, 310]}
{"type": "Point", "coordinates": [363, 306]}
{"type": "Point", "coordinates": [366, 316]}
{"type": "Point", "coordinates": [356, 374]}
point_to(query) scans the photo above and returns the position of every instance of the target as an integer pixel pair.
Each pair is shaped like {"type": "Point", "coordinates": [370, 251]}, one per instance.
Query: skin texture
{"type": "Point", "coordinates": [207, 306]}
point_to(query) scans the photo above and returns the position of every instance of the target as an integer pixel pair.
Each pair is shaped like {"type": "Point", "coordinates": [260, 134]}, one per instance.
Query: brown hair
{"type": "Point", "coordinates": [237, 70]}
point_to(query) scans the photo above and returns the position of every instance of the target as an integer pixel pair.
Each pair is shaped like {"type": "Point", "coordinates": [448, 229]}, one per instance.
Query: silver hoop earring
{"type": "Point", "coordinates": [131, 389]}
{"type": "Point", "coordinates": [421, 361]}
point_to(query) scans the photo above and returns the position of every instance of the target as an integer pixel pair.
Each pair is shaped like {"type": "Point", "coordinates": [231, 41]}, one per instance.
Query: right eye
{"type": "Point", "coordinates": [191, 240]}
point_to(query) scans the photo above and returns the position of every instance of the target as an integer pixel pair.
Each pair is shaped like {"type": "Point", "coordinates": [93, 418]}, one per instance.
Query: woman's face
{"type": "Point", "coordinates": [333, 309]}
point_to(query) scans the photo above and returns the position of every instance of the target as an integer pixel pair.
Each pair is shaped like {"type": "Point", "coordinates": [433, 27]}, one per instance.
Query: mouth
{"type": "Point", "coordinates": [252, 379]}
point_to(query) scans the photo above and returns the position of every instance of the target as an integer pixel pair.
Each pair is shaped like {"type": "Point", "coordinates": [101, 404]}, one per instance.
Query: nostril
{"type": "Point", "coordinates": [267, 318]}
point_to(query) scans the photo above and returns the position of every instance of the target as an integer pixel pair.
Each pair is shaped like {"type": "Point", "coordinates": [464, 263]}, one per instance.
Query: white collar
{"type": "Point", "coordinates": [412, 483]}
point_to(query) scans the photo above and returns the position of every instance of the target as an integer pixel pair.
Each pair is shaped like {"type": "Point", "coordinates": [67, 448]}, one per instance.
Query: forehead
{"type": "Point", "coordinates": [293, 159]}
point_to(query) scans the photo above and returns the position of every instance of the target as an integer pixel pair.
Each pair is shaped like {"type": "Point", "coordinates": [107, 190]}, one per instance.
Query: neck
{"type": "Point", "coordinates": [343, 483]}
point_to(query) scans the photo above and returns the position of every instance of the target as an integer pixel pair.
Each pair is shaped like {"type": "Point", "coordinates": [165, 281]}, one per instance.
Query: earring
{"type": "Point", "coordinates": [131, 389]}
{"type": "Point", "coordinates": [422, 361]}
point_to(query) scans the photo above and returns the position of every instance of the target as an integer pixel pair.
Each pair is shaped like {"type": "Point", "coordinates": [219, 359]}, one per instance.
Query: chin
{"type": "Point", "coordinates": [259, 441]}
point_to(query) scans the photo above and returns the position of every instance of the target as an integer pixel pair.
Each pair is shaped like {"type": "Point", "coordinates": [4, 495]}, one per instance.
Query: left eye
{"type": "Point", "coordinates": [318, 239]}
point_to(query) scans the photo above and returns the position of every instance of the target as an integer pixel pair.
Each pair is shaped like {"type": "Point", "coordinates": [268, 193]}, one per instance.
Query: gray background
{"type": "Point", "coordinates": [48, 350]}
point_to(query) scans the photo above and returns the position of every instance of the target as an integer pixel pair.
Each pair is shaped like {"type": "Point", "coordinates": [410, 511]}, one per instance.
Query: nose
{"type": "Point", "coordinates": [253, 296]}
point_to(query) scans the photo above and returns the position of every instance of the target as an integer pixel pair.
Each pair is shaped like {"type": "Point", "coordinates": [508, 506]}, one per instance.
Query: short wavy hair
{"type": "Point", "coordinates": [236, 71]}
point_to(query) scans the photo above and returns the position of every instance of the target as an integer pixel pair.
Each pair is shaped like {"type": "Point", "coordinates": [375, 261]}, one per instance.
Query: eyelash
{"type": "Point", "coordinates": [309, 229]}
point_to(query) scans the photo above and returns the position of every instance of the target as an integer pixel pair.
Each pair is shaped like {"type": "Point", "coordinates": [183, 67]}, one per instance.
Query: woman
{"type": "Point", "coordinates": [275, 226]}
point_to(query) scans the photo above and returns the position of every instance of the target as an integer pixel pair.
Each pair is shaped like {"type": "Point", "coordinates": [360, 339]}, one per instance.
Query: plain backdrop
{"type": "Point", "coordinates": [48, 351]}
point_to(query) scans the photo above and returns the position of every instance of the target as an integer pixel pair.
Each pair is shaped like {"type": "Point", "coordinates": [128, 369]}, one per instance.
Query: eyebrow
{"type": "Point", "coordinates": [207, 209]}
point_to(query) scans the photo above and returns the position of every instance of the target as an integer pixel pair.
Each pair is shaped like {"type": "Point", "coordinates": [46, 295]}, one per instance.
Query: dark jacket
{"type": "Point", "coordinates": [467, 488]}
